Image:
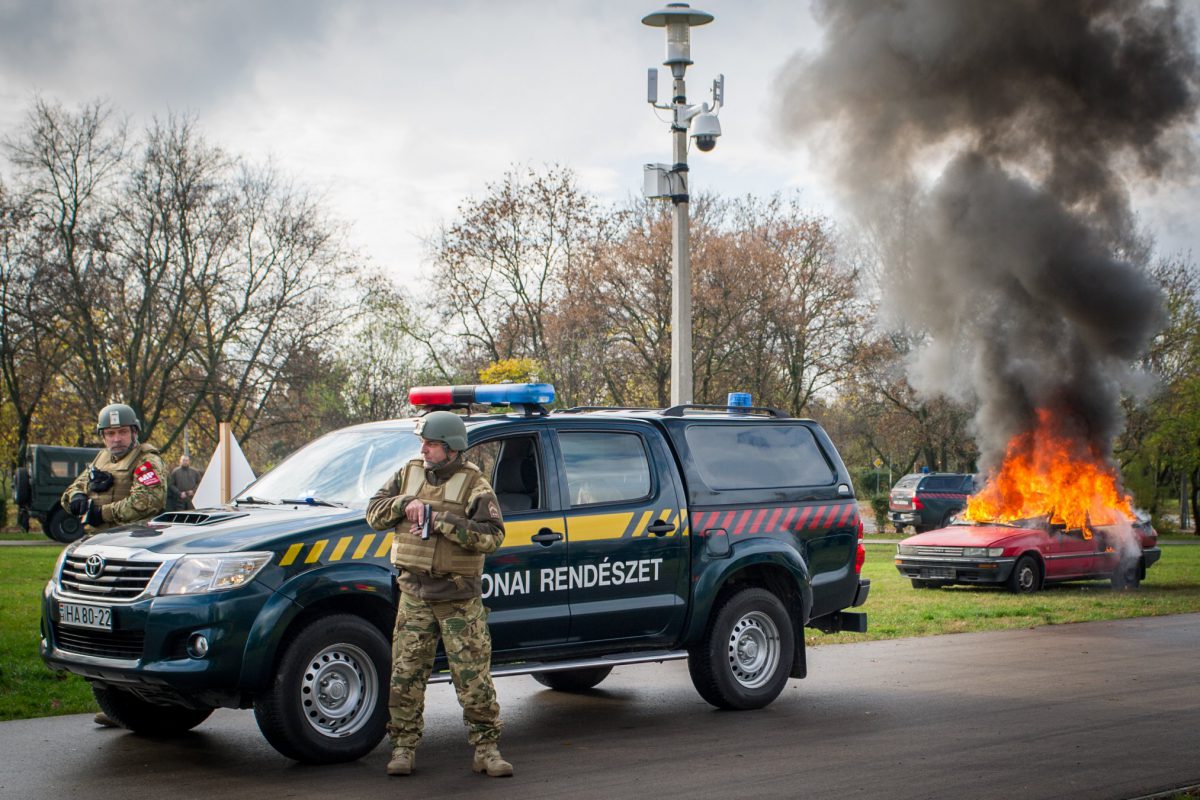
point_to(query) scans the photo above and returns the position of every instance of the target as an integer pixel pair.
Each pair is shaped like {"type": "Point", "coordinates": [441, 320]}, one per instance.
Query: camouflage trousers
{"type": "Point", "coordinates": [462, 627]}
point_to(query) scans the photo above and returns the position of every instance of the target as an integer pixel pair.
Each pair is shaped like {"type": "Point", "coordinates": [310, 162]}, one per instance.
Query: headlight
{"type": "Point", "coordinates": [213, 572]}
{"type": "Point", "coordinates": [905, 550]}
{"type": "Point", "coordinates": [982, 552]}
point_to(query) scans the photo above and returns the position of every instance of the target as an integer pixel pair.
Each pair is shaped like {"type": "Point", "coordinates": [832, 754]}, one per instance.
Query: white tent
{"type": "Point", "coordinates": [238, 473]}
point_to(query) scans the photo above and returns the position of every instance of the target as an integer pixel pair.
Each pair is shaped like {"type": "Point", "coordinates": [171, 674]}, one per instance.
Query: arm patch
{"type": "Point", "coordinates": [145, 475]}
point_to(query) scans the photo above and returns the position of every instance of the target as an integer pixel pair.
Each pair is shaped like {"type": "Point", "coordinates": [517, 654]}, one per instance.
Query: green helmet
{"type": "Point", "coordinates": [116, 415]}
{"type": "Point", "coordinates": [445, 427]}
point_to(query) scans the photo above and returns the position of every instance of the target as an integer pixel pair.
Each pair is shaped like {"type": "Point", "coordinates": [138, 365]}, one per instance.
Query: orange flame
{"type": "Point", "coordinates": [1047, 473]}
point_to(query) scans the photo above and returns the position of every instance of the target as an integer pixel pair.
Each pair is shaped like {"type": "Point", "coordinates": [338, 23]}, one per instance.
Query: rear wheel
{"type": "Point", "coordinates": [132, 712]}
{"type": "Point", "coordinates": [573, 680]}
{"type": "Point", "coordinates": [1026, 577]}
{"type": "Point", "coordinates": [22, 487]}
{"type": "Point", "coordinates": [62, 527]}
{"type": "Point", "coordinates": [1127, 576]}
{"type": "Point", "coordinates": [745, 657]}
{"type": "Point", "coordinates": [329, 700]}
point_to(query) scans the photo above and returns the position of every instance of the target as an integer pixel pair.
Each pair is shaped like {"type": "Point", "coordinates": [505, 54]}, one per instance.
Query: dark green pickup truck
{"type": "Point", "coordinates": [711, 534]}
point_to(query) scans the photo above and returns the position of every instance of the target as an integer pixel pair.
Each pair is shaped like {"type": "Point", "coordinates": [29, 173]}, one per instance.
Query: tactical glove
{"type": "Point", "coordinates": [100, 481]}
{"type": "Point", "coordinates": [78, 504]}
{"type": "Point", "coordinates": [95, 516]}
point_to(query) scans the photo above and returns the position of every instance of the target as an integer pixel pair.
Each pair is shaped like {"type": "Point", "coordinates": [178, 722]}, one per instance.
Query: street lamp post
{"type": "Point", "coordinates": [670, 181]}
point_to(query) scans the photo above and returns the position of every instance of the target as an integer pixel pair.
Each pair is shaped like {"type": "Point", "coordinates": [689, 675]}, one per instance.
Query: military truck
{"type": "Point", "coordinates": [712, 534]}
{"type": "Point", "coordinates": [38, 486]}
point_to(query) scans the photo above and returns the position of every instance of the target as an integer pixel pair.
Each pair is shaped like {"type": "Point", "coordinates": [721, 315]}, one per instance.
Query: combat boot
{"type": "Point", "coordinates": [487, 759]}
{"type": "Point", "coordinates": [402, 761]}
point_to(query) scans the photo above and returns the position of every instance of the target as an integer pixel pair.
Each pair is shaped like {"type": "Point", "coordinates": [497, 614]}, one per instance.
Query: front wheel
{"type": "Point", "coordinates": [1026, 577]}
{"type": "Point", "coordinates": [132, 712]}
{"type": "Point", "coordinates": [329, 700]}
{"type": "Point", "coordinates": [573, 680]}
{"type": "Point", "coordinates": [745, 657]}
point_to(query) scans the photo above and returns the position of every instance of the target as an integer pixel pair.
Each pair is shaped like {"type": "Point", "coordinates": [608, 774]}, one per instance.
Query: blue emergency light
{"type": "Point", "coordinates": [738, 400]}
{"type": "Point", "coordinates": [498, 394]}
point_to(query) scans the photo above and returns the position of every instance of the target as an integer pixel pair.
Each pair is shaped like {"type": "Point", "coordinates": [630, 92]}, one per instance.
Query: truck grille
{"type": "Point", "coordinates": [118, 644]}
{"type": "Point", "coordinates": [119, 579]}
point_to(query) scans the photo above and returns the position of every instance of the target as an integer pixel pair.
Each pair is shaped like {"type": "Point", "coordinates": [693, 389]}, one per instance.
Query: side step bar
{"type": "Point", "coordinates": [530, 667]}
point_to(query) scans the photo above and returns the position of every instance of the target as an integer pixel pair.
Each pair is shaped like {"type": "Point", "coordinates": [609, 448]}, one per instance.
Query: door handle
{"type": "Point", "coordinates": [546, 537]}
{"type": "Point", "coordinates": [660, 528]}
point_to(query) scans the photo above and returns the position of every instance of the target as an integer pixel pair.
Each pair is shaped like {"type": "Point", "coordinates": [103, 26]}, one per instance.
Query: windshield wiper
{"type": "Point", "coordinates": [255, 501]}
{"type": "Point", "coordinates": [314, 501]}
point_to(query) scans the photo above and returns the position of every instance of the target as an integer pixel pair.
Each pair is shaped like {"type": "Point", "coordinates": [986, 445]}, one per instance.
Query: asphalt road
{"type": "Point", "coordinates": [1094, 710]}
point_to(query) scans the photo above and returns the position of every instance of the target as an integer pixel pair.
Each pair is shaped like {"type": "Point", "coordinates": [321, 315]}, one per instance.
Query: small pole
{"type": "Point", "coordinates": [224, 448]}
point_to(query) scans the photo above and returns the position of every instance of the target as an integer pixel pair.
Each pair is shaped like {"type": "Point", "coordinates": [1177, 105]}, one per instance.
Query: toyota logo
{"type": "Point", "coordinates": [94, 566]}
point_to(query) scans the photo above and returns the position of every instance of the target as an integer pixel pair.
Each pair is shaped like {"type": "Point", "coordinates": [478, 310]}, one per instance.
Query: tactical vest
{"type": "Point", "coordinates": [122, 472]}
{"type": "Point", "coordinates": [436, 555]}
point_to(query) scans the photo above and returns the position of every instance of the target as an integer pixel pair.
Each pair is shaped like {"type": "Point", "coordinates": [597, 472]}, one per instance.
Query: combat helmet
{"type": "Point", "coordinates": [117, 415]}
{"type": "Point", "coordinates": [445, 427]}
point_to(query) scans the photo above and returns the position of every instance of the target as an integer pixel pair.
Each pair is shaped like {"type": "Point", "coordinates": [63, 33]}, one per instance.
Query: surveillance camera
{"type": "Point", "coordinates": [705, 130]}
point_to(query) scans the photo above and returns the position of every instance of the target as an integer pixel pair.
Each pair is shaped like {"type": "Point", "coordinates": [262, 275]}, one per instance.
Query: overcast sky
{"type": "Point", "coordinates": [397, 111]}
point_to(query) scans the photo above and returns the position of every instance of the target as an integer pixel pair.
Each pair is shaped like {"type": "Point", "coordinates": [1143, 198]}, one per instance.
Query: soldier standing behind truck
{"type": "Point", "coordinates": [446, 518]}
{"type": "Point", "coordinates": [123, 484]}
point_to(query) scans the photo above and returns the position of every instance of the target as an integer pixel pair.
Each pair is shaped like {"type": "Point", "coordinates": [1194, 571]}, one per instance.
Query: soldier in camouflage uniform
{"type": "Point", "coordinates": [441, 589]}
{"type": "Point", "coordinates": [125, 482]}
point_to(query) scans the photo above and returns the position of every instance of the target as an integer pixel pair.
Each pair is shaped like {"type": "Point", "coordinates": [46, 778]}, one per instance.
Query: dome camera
{"type": "Point", "coordinates": [705, 130]}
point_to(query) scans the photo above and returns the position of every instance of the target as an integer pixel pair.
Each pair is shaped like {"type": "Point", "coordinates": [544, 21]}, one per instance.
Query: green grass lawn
{"type": "Point", "coordinates": [894, 610]}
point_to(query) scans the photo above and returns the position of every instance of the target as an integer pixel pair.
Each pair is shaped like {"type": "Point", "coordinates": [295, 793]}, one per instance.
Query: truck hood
{"type": "Point", "coordinates": [210, 530]}
{"type": "Point", "coordinates": [969, 536]}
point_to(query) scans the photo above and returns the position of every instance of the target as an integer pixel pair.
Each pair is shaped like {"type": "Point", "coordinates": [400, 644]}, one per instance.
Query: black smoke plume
{"type": "Point", "coordinates": [1022, 124]}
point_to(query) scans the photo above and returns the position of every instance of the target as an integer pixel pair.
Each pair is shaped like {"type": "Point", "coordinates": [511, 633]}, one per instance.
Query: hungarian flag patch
{"type": "Point", "coordinates": [145, 475]}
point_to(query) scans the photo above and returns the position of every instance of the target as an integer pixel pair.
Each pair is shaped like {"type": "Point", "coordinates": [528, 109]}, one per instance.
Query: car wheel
{"type": "Point", "coordinates": [1127, 576]}
{"type": "Point", "coordinates": [947, 518]}
{"type": "Point", "coordinates": [22, 487]}
{"type": "Point", "coordinates": [132, 712]}
{"type": "Point", "coordinates": [62, 527]}
{"type": "Point", "coordinates": [328, 703]}
{"type": "Point", "coordinates": [573, 680]}
{"type": "Point", "coordinates": [1026, 577]}
{"type": "Point", "coordinates": [745, 657]}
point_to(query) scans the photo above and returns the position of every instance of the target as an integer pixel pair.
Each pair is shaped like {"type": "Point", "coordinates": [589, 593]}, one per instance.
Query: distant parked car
{"type": "Point", "coordinates": [1027, 555]}
{"type": "Point", "coordinates": [928, 500]}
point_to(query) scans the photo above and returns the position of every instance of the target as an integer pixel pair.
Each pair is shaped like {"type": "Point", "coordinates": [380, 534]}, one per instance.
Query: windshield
{"type": "Point", "coordinates": [344, 467]}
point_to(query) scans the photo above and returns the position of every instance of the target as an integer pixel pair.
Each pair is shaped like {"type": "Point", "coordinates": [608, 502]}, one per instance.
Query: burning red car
{"type": "Point", "coordinates": [1025, 555]}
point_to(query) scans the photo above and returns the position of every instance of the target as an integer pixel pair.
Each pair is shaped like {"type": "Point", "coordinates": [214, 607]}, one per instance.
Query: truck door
{"type": "Point", "coordinates": [626, 576]}
{"type": "Point", "coordinates": [519, 466]}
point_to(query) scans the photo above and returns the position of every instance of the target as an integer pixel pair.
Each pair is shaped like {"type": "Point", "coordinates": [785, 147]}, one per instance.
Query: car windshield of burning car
{"type": "Point", "coordinates": [345, 467]}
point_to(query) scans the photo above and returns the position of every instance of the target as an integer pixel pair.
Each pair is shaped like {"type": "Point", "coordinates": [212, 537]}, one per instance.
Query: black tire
{"type": "Point", "coordinates": [62, 527]}
{"type": "Point", "coordinates": [1026, 577]}
{"type": "Point", "coordinates": [947, 518]}
{"type": "Point", "coordinates": [132, 712]}
{"type": "Point", "coordinates": [328, 703]}
{"type": "Point", "coordinates": [573, 680]}
{"type": "Point", "coordinates": [746, 654]}
{"type": "Point", "coordinates": [1128, 576]}
{"type": "Point", "coordinates": [22, 487]}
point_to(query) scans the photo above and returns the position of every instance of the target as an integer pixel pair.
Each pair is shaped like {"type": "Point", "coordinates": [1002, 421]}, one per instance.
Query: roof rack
{"type": "Point", "coordinates": [581, 409]}
{"type": "Point", "coordinates": [678, 411]}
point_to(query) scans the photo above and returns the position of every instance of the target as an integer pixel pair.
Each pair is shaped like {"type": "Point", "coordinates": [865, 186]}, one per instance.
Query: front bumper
{"type": "Point", "coordinates": [955, 570]}
{"type": "Point", "coordinates": [146, 650]}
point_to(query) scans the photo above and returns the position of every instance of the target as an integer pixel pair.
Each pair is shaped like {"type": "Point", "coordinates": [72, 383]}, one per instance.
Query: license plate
{"type": "Point", "coordinates": [81, 616]}
{"type": "Point", "coordinates": [937, 572]}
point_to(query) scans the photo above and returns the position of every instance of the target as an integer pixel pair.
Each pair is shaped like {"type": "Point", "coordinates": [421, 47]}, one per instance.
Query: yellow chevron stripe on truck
{"type": "Point", "coordinates": [582, 528]}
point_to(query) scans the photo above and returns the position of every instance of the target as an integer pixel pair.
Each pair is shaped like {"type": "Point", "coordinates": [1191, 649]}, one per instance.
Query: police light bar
{"type": "Point", "coordinates": [499, 394]}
